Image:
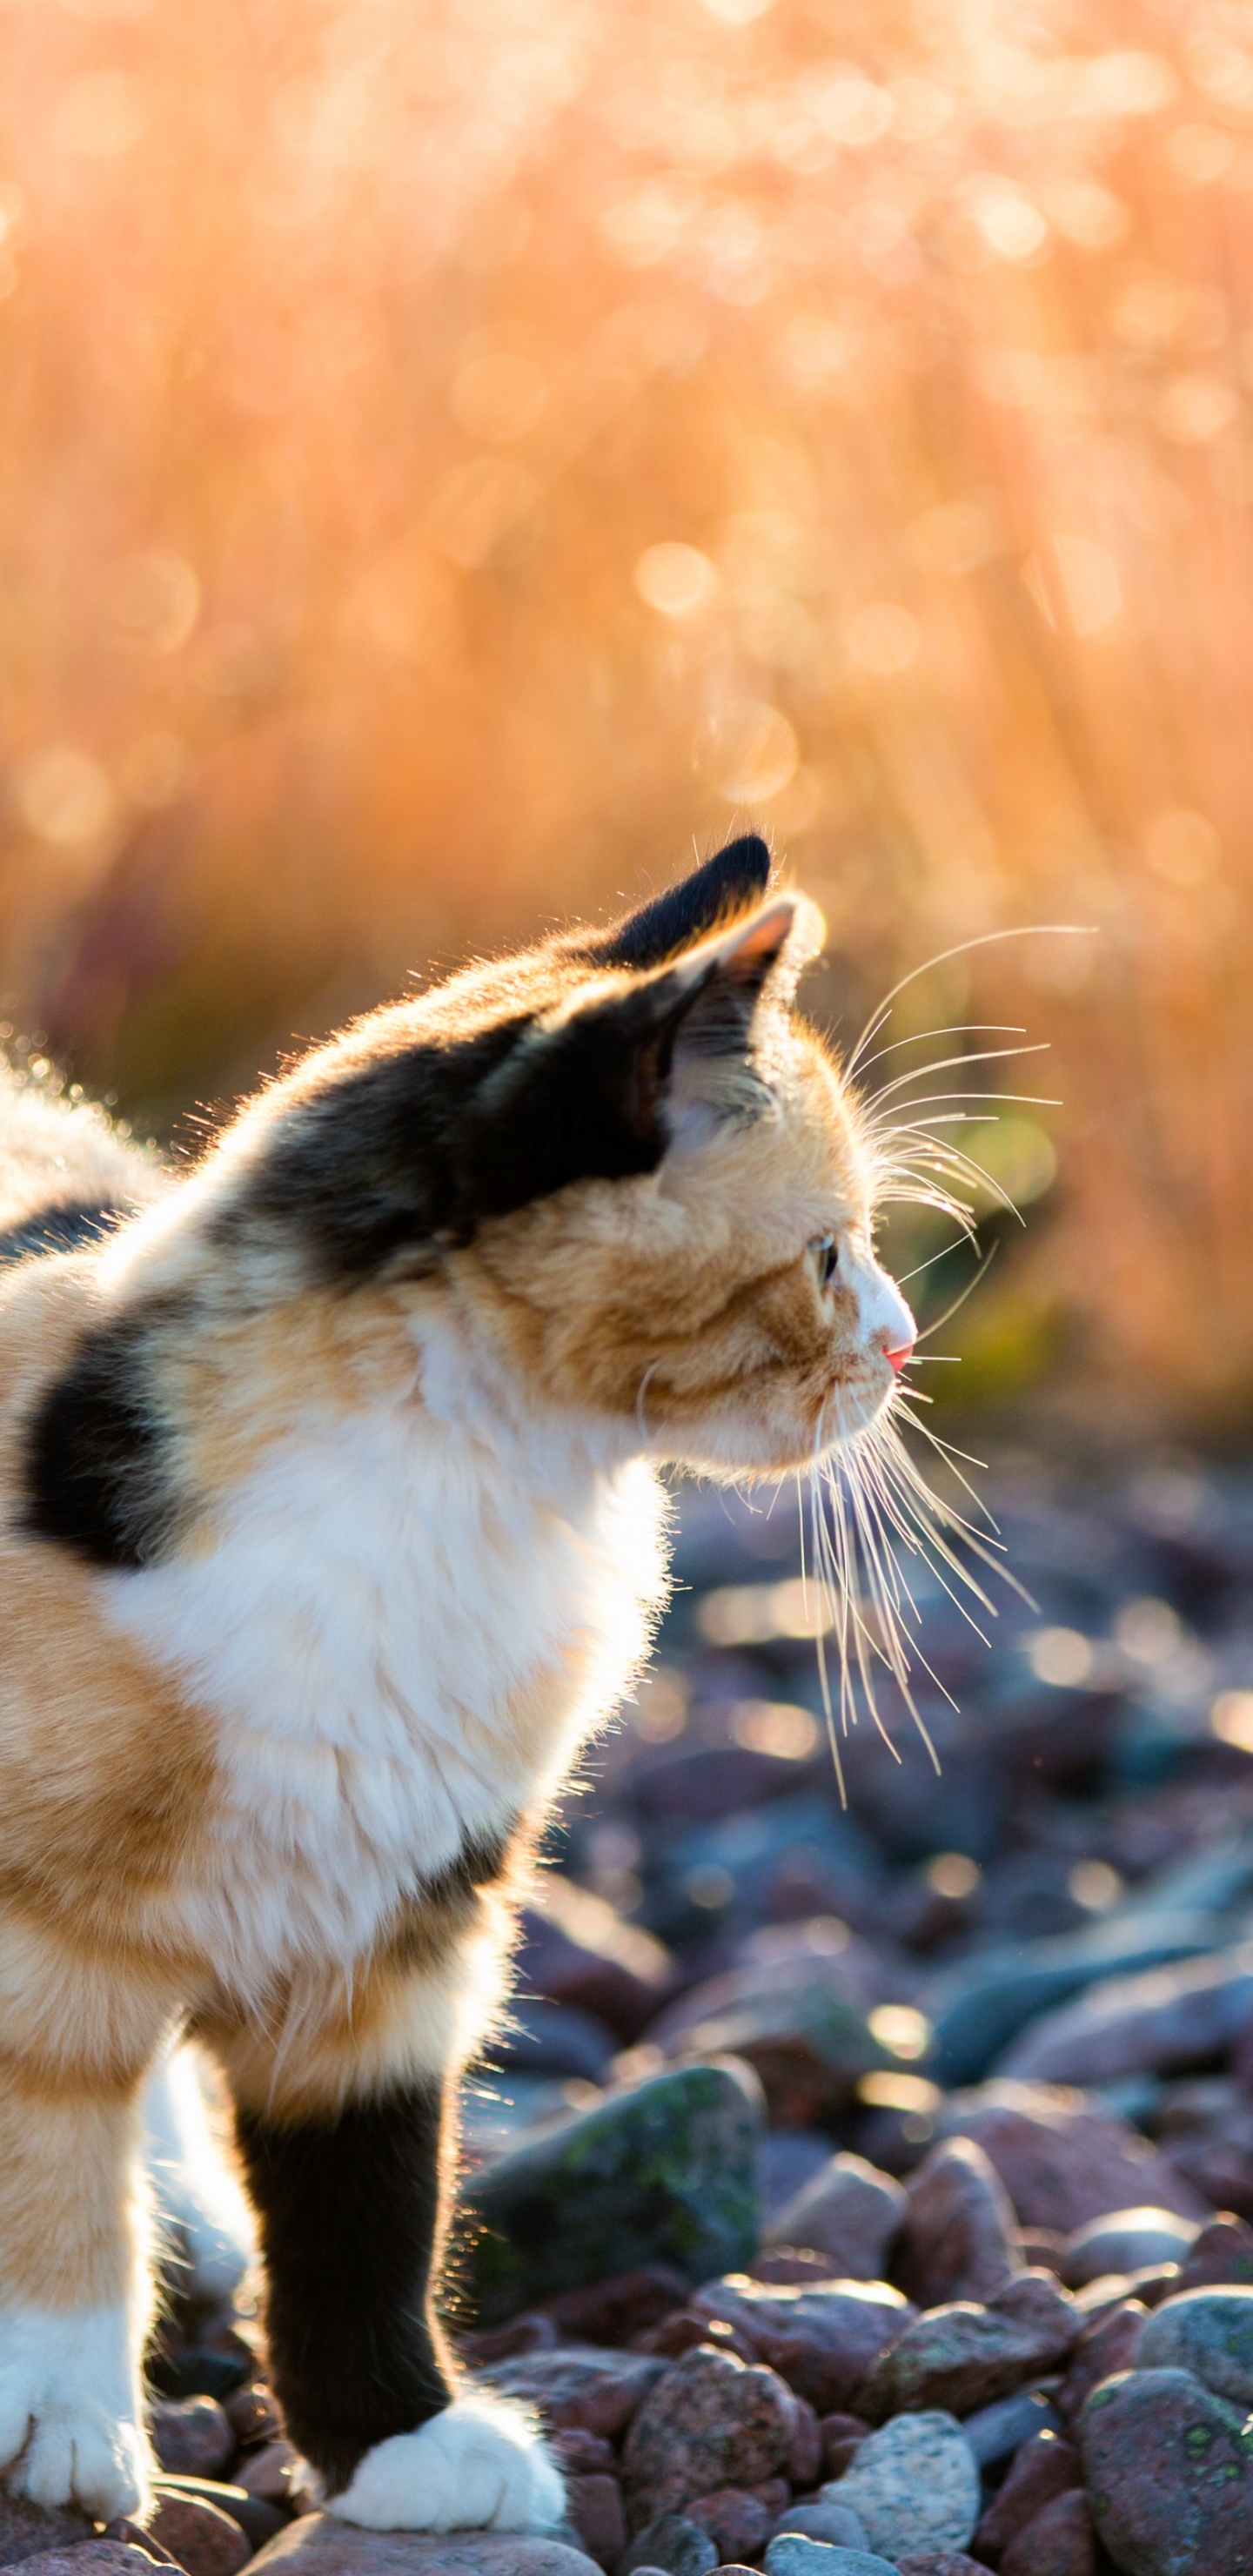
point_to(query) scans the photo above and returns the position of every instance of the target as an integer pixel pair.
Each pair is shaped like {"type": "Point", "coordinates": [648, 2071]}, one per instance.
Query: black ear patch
{"type": "Point", "coordinates": [714, 894]}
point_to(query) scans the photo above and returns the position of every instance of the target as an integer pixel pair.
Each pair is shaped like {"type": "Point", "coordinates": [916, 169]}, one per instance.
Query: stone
{"type": "Point", "coordinates": [577, 2384]}
{"type": "Point", "coordinates": [1161, 2021]}
{"type": "Point", "coordinates": [793, 2555]}
{"type": "Point", "coordinates": [1222, 2253]}
{"type": "Point", "coordinates": [1129, 2240]}
{"type": "Point", "coordinates": [318, 2545]}
{"type": "Point", "coordinates": [543, 2038]}
{"type": "Point", "coordinates": [821, 2341]}
{"type": "Point", "coordinates": [803, 2464]}
{"type": "Point", "coordinates": [613, 2310]}
{"type": "Point", "coordinates": [33, 2530]}
{"type": "Point", "coordinates": [122, 2528]}
{"type": "Point", "coordinates": [842, 2434]}
{"type": "Point", "coordinates": [583, 2454]}
{"type": "Point", "coordinates": [258, 2518]}
{"type": "Point", "coordinates": [204, 2540]}
{"type": "Point", "coordinates": [1045, 2467]}
{"type": "Point", "coordinates": [964, 2356]}
{"type": "Point", "coordinates": [673, 2544]}
{"type": "Point", "coordinates": [790, 2265]}
{"type": "Point", "coordinates": [269, 2472]}
{"type": "Point", "coordinates": [1110, 2344]}
{"type": "Point", "coordinates": [594, 2513]}
{"type": "Point", "coordinates": [192, 2433]}
{"type": "Point", "coordinates": [1168, 2468]}
{"type": "Point", "coordinates": [737, 2522]}
{"type": "Point", "coordinates": [915, 2485]}
{"type": "Point", "coordinates": [665, 2172]}
{"type": "Point", "coordinates": [711, 2421]}
{"type": "Point", "coordinates": [1209, 2332]}
{"type": "Point", "coordinates": [996, 2432]}
{"type": "Point", "coordinates": [577, 1950]}
{"type": "Point", "coordinates": [800, 2020]}
{"type": "Point", "coordinates": [253, 2414]}
{"type": "Point", "coordinates": [957, 2240]}
{"type": "Point", "coordinates": [849, 2212]}
{"type": "Point", "coordinates": [977, 2008]}
{"type": "Point", "coordinates": [1059, 2542]}
{"type": "Point", "coordinates": [90, 2557]}
{"type": "Point", "coordinates": [826, 2519]}
{"type": "Point", "coordinates": [938, 2562]}
{"type": "Point", "coordinates": [200, 2370]}
{"type": "Point", "coordinates": [1061, 2163]}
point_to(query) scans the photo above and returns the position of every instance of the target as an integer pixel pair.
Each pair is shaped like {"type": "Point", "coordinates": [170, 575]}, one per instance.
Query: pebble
{"type": "Point", "coordinates": [595, 2514]}
{"type": "Point", "coordinates": [204, 2540]}
{"type": "Point", "coordinates": [938, 2562]}
{"type": "Point", "coordinates": [964, 2357]}
{"type": "Point", "coordinates": [1110, 2345]}
{"type": "Point", "coordinates": [850, 2212]}
{"type": "Point", "coordinates": [256, 2516]}
{"type": "Point", "coordinates": [583, 2454]}
{"type": "Point", "coordinates": [672, 2543]}
{"type": "Point", "coordinates": [193, 2433]}
{"type": "Point", "coordinates": [1169, 2474]}
{"type": "Point", "coordinates": [915, 2485]}
{"type": "Point", "coordinates": [1209, 2332]}
{"type": "Point", "coordinates": [711, 2421]}
{"type": "Point", "coordinates": [1222, 2253]}
{"type": "Point", "coordinates": [1059, 2542]}
{"type": "Point", "coordinates": [803, 2464]}
{"type": "Point", "coordinates": [1129, 2240]}
{"type": "Point", "coordinates": [958, 2236]}
{"type": "Point", "coordinates": [792, 2555]}
{"type": "Point", "coordinates": [1062, 2163]}
{"type": "Point", "coordinates": [842, 2437]}
{"type": "Point", "coordinates": [33, 2530]}
{"type": "Point", "coordinates": [90, 2557]}
{"type": "Point", "coordinates": [663, 2173]}
{"type": "Point", "coordinates": [252, 2414]}
{"type": "Point", "coordinates": [821, 2341]}
{"type": "Point", "coordinates": [1162, 2019]}
{"type": "Point", "coordinates": [580, 2385]}
{"type": "Point", "coordinates": [738, 2522]}
{"type": "Point", "coordinates": [319, 2545]}
{"type": "Point", "coordinates": [996, 2432]}
{"type": "Point", "coordinates": [838, 2524]}
{"type": "Point", "coordinates": [1044, 2468]}
{"type": "Point", "coordinates": [269, 2472]}
{"type": "Point", "coordinates": [612, 2310]}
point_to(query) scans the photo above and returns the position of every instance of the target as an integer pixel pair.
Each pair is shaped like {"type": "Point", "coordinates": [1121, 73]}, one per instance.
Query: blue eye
{"type": "Point", "coordinates": [826, 1256]}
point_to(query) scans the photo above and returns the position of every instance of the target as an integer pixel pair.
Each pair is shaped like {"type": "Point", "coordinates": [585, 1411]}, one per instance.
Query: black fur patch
{"type": "Point", "coordinates": [727, 885]}
{"type": "Point", "coordinates": [349, 2217]}
{"type": "Point", "coordinates": [96, 1470]}
{"type": "Point", "coordinates": [416, 1145]}
{"type": "Point", "coordinates": [58, 1229]}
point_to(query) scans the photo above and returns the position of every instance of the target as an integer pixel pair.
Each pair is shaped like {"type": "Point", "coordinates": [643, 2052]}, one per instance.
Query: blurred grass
{"type": "Point", "coordinates": [456, 458]}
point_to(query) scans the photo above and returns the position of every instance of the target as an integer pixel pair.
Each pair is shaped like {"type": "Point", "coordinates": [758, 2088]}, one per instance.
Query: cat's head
{"type": "Point", "coordinates": [631, 1166]}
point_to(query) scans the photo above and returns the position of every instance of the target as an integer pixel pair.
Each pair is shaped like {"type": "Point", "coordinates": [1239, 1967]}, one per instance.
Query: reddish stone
{"type": "Point", "coordinates": [318, 2545]}
{"type": "Point", "coordinates": [580, 2384]}
{"type": "Point", "coordinates": [253, 2414]}
{"type": "Point", "coordinates": [531, 2332]}
{"type": "Point", "coordinates": [712, 2419]}
{"type": "Point", "coordinates": [595, 2512]}
{"type": "Point", "coordinates": [583, 2454]}
{"type": "Point", "coordinates": [1042, 2468]}
{"type": "Point", "coordinates": [1061, 2165]}
{"type": "Point", "coordinates": [821, 2341]}
{"type": "Point", "coordinates": [90, 2557]}
{"type": "Point", "coordinates": [1221, 2257]}
{"type": "Point", "coordinates": [682, 2332]}
{"type": "Point", "coordinates": [1059, 2542]}
{"type": "Point", "coordinates": [1042, 2249]}
{"type": "Point", "coordinates": [962, 2357]}
{"type": "Point", "coordinates": [1169, 2475]}
{"type": "Point", "coordinates": [124, 2529]}
{"type": "Point", "coordinates": [938, 2562]}
{"type": "Point", "coordinates": [32, 2530]}
{"type": "Point", "coordinates": [270, 2471]}
{"type": "Point", "coordinates": [612, 2311]}
{"type": "Point", "coordinates": [203, 2539]}
{"type": "Point", "coordinates": [192, 2433]}
{"type": "Point", "coordinates": [1108, 2346]}
{"type": "Point", "coordinates": [737, 2523]}
{"type": "Point", "coordinates": [841, 2436]}
{"type": "Point", "coordinates": [958, 2236]}
{"type": "Point", "coordinates": [805, 2458]}
{"type": "Point", "coordinates": [790, 2266]}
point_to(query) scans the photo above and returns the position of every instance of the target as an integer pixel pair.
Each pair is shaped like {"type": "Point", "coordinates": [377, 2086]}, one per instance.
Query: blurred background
{"type": "Point", "coordinates": [458, 461]}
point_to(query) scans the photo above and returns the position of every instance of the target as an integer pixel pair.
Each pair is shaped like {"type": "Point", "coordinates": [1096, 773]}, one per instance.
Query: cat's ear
{"type": "Point", "coordinates": [722, 890]}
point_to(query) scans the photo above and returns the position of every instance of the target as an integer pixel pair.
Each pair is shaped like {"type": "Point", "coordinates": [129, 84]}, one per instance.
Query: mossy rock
{"type": "Point", "coordinates": [663, 2174]}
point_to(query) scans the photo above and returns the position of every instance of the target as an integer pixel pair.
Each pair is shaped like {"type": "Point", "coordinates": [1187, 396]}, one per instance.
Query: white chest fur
{"type": "Point", "coordinates": [381, 1600]}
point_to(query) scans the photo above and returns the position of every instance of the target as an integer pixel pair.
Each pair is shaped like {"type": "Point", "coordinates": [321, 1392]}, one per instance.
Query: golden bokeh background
{"type": "Point", "coordinates": [459, 456]}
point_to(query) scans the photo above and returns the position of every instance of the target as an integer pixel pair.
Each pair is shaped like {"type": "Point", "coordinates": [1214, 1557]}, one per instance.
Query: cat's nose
{"type": "Point", "coordinates": [896, 1359]}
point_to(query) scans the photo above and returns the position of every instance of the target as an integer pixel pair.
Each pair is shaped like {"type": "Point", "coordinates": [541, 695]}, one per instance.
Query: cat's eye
{"type": "Point", "coordinates": [826, 1256]}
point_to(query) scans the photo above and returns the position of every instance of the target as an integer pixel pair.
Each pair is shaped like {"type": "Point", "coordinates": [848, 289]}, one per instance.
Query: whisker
{"type": "Point", "coordinates": [987, 939]}
{"type": "Point", "coordinates": [968, 1291]}
{"type": "Point", "coordinates": [941, 1064]}
{"type": "Point", "coordinates": [960, 1029]}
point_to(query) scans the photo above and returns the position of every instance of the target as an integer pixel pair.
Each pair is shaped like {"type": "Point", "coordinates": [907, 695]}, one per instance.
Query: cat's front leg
{"type": "Point", "coordinates": [350, 2204]}
{"type": "Point", "coordinates": [74, 2297]}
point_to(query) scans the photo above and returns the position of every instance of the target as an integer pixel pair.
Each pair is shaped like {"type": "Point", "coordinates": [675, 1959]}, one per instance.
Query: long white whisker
{"type": "Point", "coordinates": [964, 948]}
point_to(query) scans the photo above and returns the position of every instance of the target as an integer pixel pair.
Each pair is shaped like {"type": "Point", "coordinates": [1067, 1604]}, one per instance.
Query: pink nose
{"type": "Point", "coordinates": [896, 1359]}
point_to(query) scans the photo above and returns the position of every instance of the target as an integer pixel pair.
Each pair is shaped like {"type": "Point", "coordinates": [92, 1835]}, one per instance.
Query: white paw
{"type": "Point", "coordinates": [69, 2410]}
{"type": "Point", "coordinates": [480, 2466]}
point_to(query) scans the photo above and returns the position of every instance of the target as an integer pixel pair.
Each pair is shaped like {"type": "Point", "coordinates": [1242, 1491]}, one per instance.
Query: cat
{"type": "Point", "coordinates": [332, 1529]}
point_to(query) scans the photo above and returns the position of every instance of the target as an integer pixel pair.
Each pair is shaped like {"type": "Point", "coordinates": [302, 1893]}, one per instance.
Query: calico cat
{"type": "Point", "coordinates": [331, 1528]}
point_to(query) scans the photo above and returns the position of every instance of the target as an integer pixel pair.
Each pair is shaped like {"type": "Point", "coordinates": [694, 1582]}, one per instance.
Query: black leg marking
{"type": "Point", "coordinates": [349, 2211]}
{"type": "Point", "coordinates": [97, 1474]}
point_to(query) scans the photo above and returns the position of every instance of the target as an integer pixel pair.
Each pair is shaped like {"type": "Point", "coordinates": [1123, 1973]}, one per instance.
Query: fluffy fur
{"type": "Point", "coordinates": [330, 1529]}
